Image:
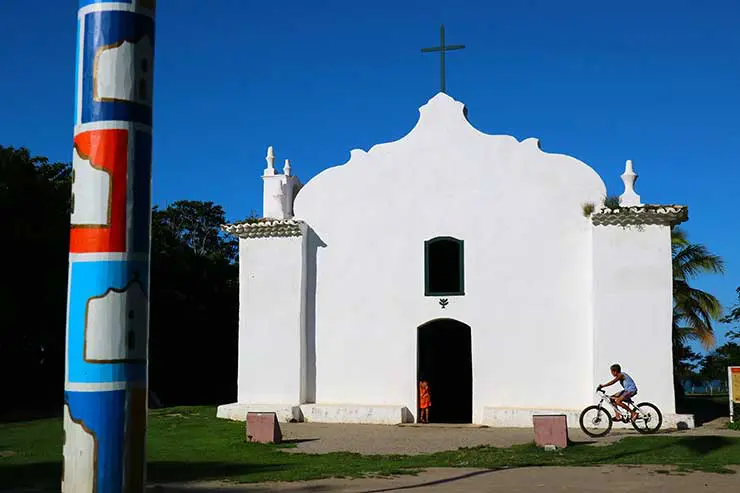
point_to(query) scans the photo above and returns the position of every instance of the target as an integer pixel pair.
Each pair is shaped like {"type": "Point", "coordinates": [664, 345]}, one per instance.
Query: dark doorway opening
{"type": "Point", "coordinates": [445, 361]}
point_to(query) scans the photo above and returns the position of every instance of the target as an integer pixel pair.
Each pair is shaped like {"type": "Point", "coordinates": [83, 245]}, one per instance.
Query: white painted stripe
{"type": "Point", "coordinates": [103, 256]}
{"type": "Point", "coordinates": [100, 7]}
{"type": "Point", "coordinates": [102, 387]}
{"type": "Point", "coordinates": [112, 125]}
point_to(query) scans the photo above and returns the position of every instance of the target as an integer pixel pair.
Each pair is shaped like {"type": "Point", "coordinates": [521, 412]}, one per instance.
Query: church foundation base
{"type": "Point", "coordinates": [503, 417]}
{"type": "Point", "coordinates": [237, 411]}
{"type": "Point", "coordinates": [356, 413]}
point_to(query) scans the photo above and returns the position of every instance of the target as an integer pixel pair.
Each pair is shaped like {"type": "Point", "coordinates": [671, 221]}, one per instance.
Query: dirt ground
{"type": "Point", "coordinates": [612, 479]}
{"type": "Point", "coordinates": [317, 438]}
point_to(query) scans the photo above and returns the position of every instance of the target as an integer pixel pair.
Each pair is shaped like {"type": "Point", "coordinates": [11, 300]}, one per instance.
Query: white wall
{"type": "Point", "coordinates": [271, 360]}
{"type": "Point", "coordinates": [633, 304]}
{"type": "Point", "coordinates": [527, 264]}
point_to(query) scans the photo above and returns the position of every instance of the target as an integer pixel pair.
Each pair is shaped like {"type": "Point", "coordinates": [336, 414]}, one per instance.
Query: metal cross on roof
{"type": "Point", "coordinates": [442, 49]}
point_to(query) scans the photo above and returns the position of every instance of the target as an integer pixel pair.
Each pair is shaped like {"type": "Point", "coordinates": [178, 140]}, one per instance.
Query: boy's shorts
{"type": "Point", "coordinates": [626, 394]}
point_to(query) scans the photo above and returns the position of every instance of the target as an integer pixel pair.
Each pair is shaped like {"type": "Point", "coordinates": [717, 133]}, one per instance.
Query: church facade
{"type": "Point", "coordinates": [479, 263]}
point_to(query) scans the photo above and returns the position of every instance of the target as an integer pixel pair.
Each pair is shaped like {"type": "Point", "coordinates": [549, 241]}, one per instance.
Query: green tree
{"type": "Point", "coordinates": [194, 291]}
{"type": "Point", "coordinates": [734, 315]}
{"type": "Point", "coordinates": [694, 310]}
{"type": "Point", "coordinates": [714, 365]}
{"type": "Point", "coordinates": [194, 305]}
{"type": "Point", "coordinates": [34, 219]}
{"type": "Point", "coordinates": [196, 225]}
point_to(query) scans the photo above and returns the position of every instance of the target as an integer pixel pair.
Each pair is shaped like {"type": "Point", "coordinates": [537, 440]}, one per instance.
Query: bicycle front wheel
{"type": "Point", "coordinates": [649, 418]}
{"type": "Point", "coordinates": [595, 421]}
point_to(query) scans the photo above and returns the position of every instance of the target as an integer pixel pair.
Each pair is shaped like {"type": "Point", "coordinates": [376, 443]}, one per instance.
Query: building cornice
{"type": "Point", "coordinates": [265, 228]}
{"type": "Point", "coordinates": [666, 215]}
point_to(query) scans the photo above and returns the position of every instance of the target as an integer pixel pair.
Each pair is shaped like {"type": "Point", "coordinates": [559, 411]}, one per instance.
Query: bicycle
{"type": "Point", "coordinates": [647, 414]}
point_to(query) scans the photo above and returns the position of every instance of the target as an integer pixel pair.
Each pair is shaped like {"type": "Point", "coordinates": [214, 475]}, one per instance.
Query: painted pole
{"type": "Point", "coordinates": [105, 388]}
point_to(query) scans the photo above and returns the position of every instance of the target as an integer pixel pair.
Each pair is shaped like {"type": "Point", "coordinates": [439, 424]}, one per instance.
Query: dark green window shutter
{"type": "Point", "coordinates": [444, 269]}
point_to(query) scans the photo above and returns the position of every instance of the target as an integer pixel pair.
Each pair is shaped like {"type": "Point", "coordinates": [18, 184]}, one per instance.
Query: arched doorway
{"type": "Point", "coordinates": [444, 360]}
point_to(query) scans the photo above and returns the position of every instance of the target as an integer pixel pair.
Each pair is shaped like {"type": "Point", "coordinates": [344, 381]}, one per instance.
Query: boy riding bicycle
{"type": "Point", "coordinates": [629, 390]}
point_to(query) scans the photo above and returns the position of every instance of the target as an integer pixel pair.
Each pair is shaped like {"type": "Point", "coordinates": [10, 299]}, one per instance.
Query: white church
{"type": "Point", "coordinates": [484, 265]}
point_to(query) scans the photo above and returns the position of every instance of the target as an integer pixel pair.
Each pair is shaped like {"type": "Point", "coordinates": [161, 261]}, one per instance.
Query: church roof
{"type": "Point", "coordinates": [264, 228]}
{"type": "Point", "coordinates": [668, 215]}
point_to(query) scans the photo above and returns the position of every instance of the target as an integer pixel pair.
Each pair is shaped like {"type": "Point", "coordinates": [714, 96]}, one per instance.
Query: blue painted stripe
{"type": "Point", "coordinates": [104, 415]}
{"type": "Point", "coordinates": [93, 279]}
{"type": "Point", "coordinates": [78, 58]}
{"type": "Point", "coordinates": [103, 29]}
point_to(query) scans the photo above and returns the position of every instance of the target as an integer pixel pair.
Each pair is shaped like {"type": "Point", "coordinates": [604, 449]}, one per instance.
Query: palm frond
{"type": "Point", "coordinates": [694, 259]}
{"type": "Point", "coordinates": [696, 328]}
{"type": "Point", "coordinates": [679, 237]}
{"type": "Point", "coordinates": [694, 310]}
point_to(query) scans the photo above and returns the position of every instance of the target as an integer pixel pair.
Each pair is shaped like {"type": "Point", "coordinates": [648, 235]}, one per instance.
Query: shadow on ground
{"type": "Point", "coordinates": [705, 444]}
{"type": "Point", "coordinates": [433, 483]}
{"type": "Point", "coordinates": [698, 446]}
{"type": "Point", "coordinates": [310, 488]}
{"type": "Point", "coordinates": [295, 441]}
{"type": "Point", "coordinates": [46, 476]}
{"type": "Point", "coordinates": [219, 489]}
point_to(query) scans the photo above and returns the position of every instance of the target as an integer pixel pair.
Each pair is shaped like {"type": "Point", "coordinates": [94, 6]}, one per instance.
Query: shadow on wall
{"type": "Point", "coordinates": [313, 245]}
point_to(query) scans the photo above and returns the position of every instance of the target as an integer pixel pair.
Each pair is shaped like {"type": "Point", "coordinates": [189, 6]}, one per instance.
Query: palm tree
{"type": "Point", "coordinates": [693, 309]}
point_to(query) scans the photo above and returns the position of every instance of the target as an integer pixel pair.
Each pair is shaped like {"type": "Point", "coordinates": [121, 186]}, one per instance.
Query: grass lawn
{"type": "Point", "coordinates": [189, 443]}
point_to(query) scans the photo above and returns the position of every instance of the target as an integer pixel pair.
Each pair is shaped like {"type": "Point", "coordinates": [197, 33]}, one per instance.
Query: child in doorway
{"type": "Point", "coordinates": [425, 401]}
{"type": "Point", "coordinates": [629, 389]}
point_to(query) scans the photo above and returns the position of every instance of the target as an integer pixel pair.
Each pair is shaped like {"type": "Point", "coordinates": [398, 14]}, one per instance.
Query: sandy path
{"type": "Point", "coordinates": [611, 479]}
{"type": "Point", "coordinates": [316, 438]}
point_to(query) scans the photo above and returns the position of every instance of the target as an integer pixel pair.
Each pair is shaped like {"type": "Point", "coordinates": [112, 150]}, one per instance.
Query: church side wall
{"type": "Point", "coordinates": [633, 309]}
{"type": "Point", "coordinates": [271, 273]}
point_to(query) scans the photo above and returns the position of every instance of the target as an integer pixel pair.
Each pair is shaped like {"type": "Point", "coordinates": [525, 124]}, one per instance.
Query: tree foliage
{"type": "Point", "coordinates": [714, 365]}
{"type": "Point", "coordinates": [694, 310]}
{"type": "Point", "coordinates": [34, 219]}
{"type": "Point", "coordinates": [194, 301]}
{"type": "Point", "coordinates": [734, 315]}
{"type": "Point", "coordinates": [194, 291]}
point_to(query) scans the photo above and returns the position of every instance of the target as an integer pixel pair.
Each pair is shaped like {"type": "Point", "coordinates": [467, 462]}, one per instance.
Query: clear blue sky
{"type": "Point", "coordinates": [654, 81]}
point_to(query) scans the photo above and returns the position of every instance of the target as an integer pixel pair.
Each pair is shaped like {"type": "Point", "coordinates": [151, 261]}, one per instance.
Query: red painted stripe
{"type": "Point", "coordinates": [107, 150]}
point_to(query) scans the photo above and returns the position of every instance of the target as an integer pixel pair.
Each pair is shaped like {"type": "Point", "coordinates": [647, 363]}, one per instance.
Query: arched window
{"type": "Point", "coordinates": [444, 273]}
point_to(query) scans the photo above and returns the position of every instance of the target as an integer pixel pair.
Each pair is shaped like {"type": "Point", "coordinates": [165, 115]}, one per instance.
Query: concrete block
{"type": "Point", "coordinates": [263, 428]}
{"type": "Point", "coordinates": [550, 430]}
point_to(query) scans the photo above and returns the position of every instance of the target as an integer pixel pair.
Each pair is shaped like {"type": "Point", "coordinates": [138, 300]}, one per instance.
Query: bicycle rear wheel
{"type": "Point", "coordinates": [650, 418]}
{"type": "Point", "coordinates": [595, 421]}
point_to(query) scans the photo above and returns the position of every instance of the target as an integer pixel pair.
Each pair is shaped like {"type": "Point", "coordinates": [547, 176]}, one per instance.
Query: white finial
{"type": "Point", "coordinates": [286, 169]}
{"type": "Point", "coordinates": [629, 198]}
{"type": "Point", "coordinates": [270, 170]}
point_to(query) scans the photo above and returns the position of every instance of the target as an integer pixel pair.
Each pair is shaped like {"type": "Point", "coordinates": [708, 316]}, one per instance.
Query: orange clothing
{"type": "Point", "coordinates": [425, 399]}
